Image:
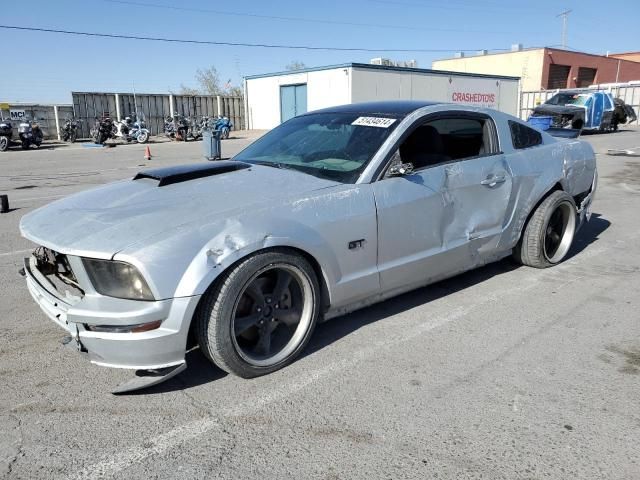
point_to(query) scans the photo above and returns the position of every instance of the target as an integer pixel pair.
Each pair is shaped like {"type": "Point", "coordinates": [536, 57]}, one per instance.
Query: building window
{"type": "Point", "coordinates": [558, 75]}
{"type": "Point", "coordinates": [586, 77]}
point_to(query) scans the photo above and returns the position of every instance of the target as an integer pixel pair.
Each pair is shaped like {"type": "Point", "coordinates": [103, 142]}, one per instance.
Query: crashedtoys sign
{"type": "Point", "coordinates": [474, 92]}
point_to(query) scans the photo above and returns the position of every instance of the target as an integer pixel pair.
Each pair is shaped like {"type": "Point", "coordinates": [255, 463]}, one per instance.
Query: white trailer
{"type": "Point", "coordinates": [274, 98]}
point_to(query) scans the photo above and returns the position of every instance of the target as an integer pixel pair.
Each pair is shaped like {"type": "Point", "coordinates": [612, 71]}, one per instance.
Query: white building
{"type": "Point", "coordinates": [276, 97]}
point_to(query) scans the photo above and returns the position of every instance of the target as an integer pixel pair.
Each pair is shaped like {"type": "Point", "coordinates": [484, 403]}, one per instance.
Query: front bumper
{"type": "Point", "coordinates": [159, 348]}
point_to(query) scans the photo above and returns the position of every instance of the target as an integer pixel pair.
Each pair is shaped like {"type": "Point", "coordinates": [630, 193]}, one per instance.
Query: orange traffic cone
{"type": "Point", "coordinates": [147, 153]}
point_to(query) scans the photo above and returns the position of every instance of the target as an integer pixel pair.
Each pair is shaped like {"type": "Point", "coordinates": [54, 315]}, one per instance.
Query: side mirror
{"type": "Point", "coordinates": [400, 169]}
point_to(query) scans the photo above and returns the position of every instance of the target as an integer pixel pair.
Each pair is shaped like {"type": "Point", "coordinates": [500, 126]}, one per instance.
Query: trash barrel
{"type": "Point", "coordinates": [211, 148]}
{"type": "Point", "coordinates": [541, 123]}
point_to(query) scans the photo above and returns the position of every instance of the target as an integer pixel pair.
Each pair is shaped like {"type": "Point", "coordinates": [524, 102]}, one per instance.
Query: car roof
{"type": "Point", "coordinates": [392, 107]}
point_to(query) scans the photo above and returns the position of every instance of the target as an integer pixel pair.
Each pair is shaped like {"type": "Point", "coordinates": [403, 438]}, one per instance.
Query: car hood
{"type": "Point", "coordinates": [103, 221]}
{"type": "Point", "coordinates": [547, 109]}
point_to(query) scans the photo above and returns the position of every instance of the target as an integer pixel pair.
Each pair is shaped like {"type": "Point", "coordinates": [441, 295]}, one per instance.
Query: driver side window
{"type": "Point", "coordinates": [447, 139]}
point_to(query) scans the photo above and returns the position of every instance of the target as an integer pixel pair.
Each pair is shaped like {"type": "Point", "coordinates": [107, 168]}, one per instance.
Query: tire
{"type": "Point", "coordinates": [4, 143]}
{"type": "Point", "coordinates": [143, 137]}
{"type": "Point", "coordinates": [72, 137]}
{"type": "Point", "coordinates": [549, 233]}
{"type": "Point", "coordinates": [242, 348]}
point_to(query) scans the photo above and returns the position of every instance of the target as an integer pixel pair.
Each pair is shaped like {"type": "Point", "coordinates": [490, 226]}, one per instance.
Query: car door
{"type": "Point", "coordinates": [447, 215]}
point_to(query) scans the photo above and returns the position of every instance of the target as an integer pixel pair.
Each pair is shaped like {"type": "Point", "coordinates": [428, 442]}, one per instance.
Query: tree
{"type": "Point", "coordinates": [295, 65]}
{"type": "Point", "coordinates": [235, 91]}
{"type": "Point", "coordinates": [209, 84]}
{"type": "Point", "coordinates": [209, 81]}
{"type": "Point", "coordinates": [184, 90]}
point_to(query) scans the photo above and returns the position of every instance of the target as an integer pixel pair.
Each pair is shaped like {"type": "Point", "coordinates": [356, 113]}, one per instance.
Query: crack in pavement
{"type": "Point", "coordinates": [12, 458]}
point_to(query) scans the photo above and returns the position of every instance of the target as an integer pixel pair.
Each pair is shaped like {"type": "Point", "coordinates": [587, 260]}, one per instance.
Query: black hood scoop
{"type": "Point", "coordinates": [184, 173]}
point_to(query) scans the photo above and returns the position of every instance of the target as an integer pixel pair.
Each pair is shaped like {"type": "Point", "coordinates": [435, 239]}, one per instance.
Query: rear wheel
{"type": "Point", "coordinates": [260, 315]}
{"type": "Point", "coordinates": [548, 235]}
{"type": "Point", "coordinates": [4, 143]}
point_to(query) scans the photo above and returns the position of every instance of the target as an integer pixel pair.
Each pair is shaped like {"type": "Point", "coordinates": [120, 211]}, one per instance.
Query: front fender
{"type": "Point", "coordinates": [239, 240]}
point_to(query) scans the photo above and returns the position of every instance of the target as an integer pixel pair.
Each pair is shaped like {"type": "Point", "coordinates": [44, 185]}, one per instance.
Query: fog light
{"type": "Point", "coordinates": [140, 327]}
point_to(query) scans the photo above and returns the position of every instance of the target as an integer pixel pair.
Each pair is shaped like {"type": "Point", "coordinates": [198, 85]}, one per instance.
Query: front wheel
{"type": "Point", "coordinates": [4, 143]}
{"type": "Point", "coordinates": [260, 315]}
{"type": "Point", "coordinates": [143, 137]}
{"type": "Point", "coordinates": [548, 235]}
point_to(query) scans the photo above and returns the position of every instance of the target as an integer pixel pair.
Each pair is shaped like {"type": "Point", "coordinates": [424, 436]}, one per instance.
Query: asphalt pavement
{"type": "Point", "coordinates": [505, 372]}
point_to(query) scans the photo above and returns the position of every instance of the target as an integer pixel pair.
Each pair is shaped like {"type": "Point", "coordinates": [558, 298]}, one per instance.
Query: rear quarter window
{"type": "Point", "coordinates": [523, 136]}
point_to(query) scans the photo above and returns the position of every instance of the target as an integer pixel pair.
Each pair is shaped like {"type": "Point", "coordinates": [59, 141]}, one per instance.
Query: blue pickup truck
{"type": "Point", "coordinates": [585, 110]}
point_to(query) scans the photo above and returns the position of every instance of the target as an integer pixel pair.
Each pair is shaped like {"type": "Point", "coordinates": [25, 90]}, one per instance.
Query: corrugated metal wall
{"type": "Point", "coordinates": [89, 106]}
{"type": "Point", "coordinates": [630, 94]}
{"type": "Point", "coordinates": [43, 114]}
{"type": "Point", "coordinates": [155, 108]}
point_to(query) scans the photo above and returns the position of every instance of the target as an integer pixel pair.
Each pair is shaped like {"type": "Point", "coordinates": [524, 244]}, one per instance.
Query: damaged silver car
{"type": "Point", "coordinates": [331, 211]}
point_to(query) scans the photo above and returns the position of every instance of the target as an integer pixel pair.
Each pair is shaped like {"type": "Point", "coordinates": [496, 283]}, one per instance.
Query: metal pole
{"type": "Point", "coordinates": [55, 114]}
{"type": "Point", "coordinates": [618, 71]}
{"type": "Point", "coordinates": [135, 102]}
{"type": "Point", "coordinates": [118, 113]}
{"type": "Point", "coordinates": [564, 16]}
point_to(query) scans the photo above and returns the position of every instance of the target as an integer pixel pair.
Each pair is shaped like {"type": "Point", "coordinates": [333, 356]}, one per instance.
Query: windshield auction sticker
{"type": "Point", "coordinates": [374, 122]}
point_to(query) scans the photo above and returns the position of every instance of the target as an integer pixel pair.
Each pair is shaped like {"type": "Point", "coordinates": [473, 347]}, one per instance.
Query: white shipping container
{"type": "Point", "coordinates": [273, 98]}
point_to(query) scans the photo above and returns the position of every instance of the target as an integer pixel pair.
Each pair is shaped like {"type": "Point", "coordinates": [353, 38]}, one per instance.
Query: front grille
{"type": "Point", "coordinates": [56, 269]}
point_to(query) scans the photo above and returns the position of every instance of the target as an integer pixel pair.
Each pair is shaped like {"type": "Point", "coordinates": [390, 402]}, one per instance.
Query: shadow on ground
{"type": "Point", "coordinates": [588, 234]}
{"type": "Point", "coordinates": [200, 370]}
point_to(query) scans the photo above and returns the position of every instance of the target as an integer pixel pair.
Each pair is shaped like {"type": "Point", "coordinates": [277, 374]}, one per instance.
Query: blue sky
{"type": "Point", "coordinates": [46, 67]}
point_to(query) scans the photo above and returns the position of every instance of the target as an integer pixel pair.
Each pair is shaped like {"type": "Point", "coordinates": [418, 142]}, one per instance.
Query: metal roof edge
{"type": "Point", "coordinates": [431, 71]}
{"type": "Point", "coordinates": [368, 66]}
{"type": "Point", "coordinates": [302, 70]}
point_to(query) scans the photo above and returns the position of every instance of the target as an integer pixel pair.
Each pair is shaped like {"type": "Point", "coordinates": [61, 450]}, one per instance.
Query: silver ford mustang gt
{"type": "Point", "coordinates": [329, 212]}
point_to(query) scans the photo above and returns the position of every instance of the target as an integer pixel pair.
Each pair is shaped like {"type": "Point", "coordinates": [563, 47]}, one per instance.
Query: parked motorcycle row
{"type": "Point", "coordinates": [129, 129]}
{"type": "Point", "coordinates": [183, 128]}
{"type": "Point", "coordinates": [29, 133]}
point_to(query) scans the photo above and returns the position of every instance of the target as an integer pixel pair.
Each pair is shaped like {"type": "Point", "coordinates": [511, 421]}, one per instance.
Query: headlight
{"type": "Point", "coordinates": [117, 279]}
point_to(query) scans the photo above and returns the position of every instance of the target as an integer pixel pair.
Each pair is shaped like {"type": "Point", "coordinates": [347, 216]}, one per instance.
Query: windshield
{"type": "Point", "coordinates": [337, 146]}
{"type": "Point", "coordinates": [568, 99]}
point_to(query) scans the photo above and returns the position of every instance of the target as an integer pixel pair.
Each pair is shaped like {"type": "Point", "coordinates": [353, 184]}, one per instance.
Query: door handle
{"type": "Point", "coordinates": [493, 180]}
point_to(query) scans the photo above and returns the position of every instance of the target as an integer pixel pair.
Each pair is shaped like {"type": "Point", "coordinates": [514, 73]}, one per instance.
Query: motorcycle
{"type": "Point", "coordinates": [197, 126]}
{"type": "Point", "coordinates": [131, 130]}
{"type": "Point", "coordinates": [69, 131]}
{"type": "Point", "coordinates": [224, 125]}
{"type": "Point", "coordinates": [103, 129]}
{"type": "Point", "coordinates": [177, 127]}
{"type": "Point", "coordinates": [6, 132]}
{"type": "Point", "coordinates": [30, 134]}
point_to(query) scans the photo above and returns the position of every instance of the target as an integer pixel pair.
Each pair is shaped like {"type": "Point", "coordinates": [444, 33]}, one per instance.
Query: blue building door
{"type": "Point", "coordinates": [293, 101]}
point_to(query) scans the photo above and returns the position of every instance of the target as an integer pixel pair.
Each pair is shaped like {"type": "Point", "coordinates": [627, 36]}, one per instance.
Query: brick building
{"type": "Point", "coordinates": [548, 68]}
